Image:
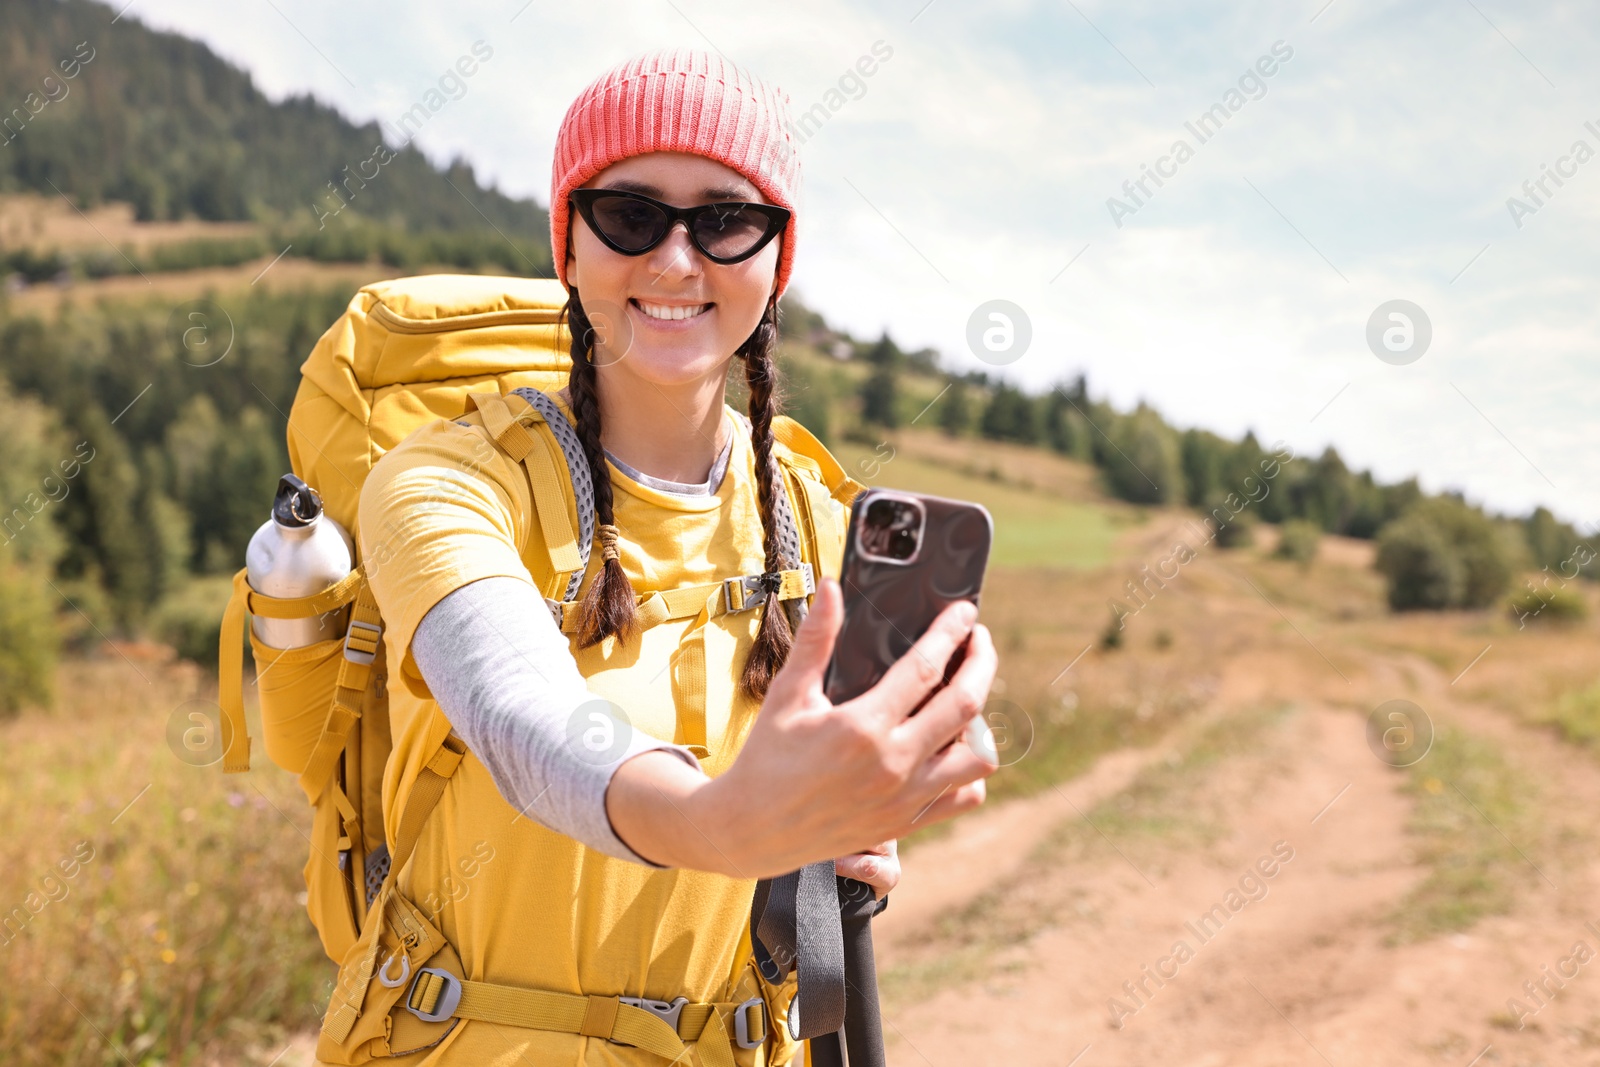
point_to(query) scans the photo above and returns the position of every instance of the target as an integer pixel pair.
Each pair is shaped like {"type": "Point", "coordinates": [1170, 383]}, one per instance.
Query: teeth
{"type": "Point", "coordinates": [669, 311]}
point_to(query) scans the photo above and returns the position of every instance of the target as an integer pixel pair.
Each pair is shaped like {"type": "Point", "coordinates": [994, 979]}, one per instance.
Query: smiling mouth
{"type": "Point", "coordinates": [670, 312]}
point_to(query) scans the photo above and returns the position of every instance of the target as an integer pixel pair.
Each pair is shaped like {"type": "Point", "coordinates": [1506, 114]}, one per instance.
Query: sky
{"type": "Point", "coordinates": [1383, 158]}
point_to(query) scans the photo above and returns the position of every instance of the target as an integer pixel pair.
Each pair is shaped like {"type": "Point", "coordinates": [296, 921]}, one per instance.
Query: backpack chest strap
{"type": "Point", "coordinates": [736, 594]}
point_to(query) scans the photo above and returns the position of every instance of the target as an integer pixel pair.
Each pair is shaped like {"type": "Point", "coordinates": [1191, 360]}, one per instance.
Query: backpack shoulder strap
{"type": "Point", "coordinates": [568, 533]}
{"type": "Point", "coordinates": [821, 488]}
{"type": "Point", "coordinates": [803, 446]}
{"type": "Point", "coordinates": [566, 436]}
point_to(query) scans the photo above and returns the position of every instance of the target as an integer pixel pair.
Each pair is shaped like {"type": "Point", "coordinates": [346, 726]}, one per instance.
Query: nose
{"type": "Point", "coordinates": [675, 258]}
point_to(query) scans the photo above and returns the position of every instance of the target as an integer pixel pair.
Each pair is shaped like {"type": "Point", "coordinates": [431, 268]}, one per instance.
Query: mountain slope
{"type": "Point", "coordinates": [104, 110]}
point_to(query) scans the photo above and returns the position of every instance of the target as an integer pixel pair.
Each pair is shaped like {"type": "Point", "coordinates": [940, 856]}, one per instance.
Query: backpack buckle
{"type": "Point", "coordinates": [666, 1011]}
{"type": "Point", "coordinates": [741, 1024]}
{"type": "Point", "coordinates": [361, 648]}
{"type": "Point", "coordinates": [745, 591]}
{"type": "Point", "coordinates": [446, 998]}
{"type": "Point", "coordinates": [748, 590]}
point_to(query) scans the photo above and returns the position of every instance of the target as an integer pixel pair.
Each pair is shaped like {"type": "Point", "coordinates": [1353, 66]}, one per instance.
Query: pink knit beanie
{"type": "Point", "coordinates": [677, 100]}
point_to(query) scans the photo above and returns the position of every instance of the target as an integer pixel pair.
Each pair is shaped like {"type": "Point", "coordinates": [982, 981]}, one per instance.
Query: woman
{"type": "Point", "coordinates": [606, 861]}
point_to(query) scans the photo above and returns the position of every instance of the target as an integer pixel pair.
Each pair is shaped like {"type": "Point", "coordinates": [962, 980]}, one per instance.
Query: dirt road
{"type": "Point", "coordinates": [1240, 893]}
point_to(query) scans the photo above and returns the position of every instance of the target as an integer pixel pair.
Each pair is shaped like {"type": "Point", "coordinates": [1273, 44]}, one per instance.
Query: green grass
{"type": "Point", "coordinates": [1164, 800]}
{"type": "Point", "coordinates": [1576, 716]}
{"type": "Point", "coordinates": [1474, 826]}
{"type": "Point", "coordinates": [1031, 528]}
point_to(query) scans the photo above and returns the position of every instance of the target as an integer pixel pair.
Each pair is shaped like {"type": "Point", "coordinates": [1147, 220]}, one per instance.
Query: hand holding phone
{"type": "Point", "coordinates": [856, 739]}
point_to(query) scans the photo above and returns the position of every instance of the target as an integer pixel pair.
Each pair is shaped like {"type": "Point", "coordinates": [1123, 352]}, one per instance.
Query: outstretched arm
{"type": "Point", "coordinates": [505, 678]}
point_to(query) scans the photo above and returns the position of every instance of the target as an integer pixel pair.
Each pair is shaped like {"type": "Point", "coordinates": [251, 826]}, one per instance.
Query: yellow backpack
{"type": "Point", "coordinates": [406, 353]}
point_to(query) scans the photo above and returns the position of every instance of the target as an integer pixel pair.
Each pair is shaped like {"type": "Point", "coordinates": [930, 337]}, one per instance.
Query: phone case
{"type": "Point", "coordinates": [888, 605]}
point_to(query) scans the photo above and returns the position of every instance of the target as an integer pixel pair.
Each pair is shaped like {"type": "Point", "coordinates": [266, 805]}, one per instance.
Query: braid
{"type": "Point", "coordinates": [774, 638]}
{"type": "Point", "coordinates": [608, 607]}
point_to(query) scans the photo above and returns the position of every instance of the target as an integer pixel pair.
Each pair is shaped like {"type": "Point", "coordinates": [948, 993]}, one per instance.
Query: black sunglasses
{"type": "Point", "coordinates": [633, 224]}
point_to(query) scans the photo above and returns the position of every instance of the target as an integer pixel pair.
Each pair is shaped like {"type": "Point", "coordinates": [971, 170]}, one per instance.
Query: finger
{"type": "Point", "coordinates": [951, 802]}
{"type": "Point", "coordinates": [953, 767]}
{"type": "Point", "coordinates": [881, 874]}
{"type": "Point", "coordinates": [862, 866]}
{"type": "Point", "coordinates": [948, 774]}
{"type": "Point", "coordinates": [813, 643]}
{"type": "Point", "coordinates": [914, 675]}
{"type": "Point", "coordinates": [947, 712]}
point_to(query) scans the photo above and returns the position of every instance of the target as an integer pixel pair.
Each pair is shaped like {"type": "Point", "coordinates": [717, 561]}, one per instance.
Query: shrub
{"type": "Point", "coordinates": [1576, 714]}
{"type": "Point", "coordinates": [1298, 540]}
{"type": "Point", "coordinates": [1235, 522]}
{"type": "Point", "coordinates": [31, 489]}
{"type": "Point", "coordinates": [1548, 606]}
{"type": "Point", "coordinates": [1111, 636]}
{"type": "Point", "coordinates": [1239, 533]}
{"type": "Point", "coordinates": [28, 639]}
{"type": "Point", "coordinates": [191, 618]}
{"type": "Point", "coordinates": [1422, 568]}
{"type": "Point", "coordinates": [1442, 554]}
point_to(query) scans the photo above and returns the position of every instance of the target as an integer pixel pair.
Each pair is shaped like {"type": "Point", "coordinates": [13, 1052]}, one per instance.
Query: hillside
{"type": "Point", "coordinates": [101, 108]}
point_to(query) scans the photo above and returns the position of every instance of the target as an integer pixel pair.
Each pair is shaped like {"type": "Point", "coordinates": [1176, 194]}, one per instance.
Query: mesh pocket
{"type": "Point", "coordinates": [377, 870]}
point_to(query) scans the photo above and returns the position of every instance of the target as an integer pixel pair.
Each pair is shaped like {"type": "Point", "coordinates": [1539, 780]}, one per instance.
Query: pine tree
{"type": "Point", "coordinates": [955, 412]}
{"type": "Point", "coordinates": [1011, 415]}
{"type": "Point", "coordinates": [881, 391]}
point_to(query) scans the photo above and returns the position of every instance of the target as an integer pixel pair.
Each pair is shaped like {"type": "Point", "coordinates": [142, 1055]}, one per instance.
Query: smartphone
{"type": "Point", "coordinates": [906, 558]}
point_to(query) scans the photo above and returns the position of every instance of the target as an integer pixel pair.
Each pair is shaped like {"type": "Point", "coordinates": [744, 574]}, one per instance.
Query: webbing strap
{"type": "Point", "coordinates": [578, 474]}
{"type": "Point", "coordinates": [355, 670]}
{"type": "Point", "coordinates": [425, 794]}
{"type": "Point", "coordinates": [230, 679]}
{"type": "Point", "coordinates": [795, 918]}
{"type": "Point", "coordinates": [689, 679]}
{"type": "Point", "coordinates": [510, 434]}
{"type": "Point", "coordinates": [591, 1016]}
{"type": "Point", "coordinates": [335, 596]}
{"type": "Point", "coordinates": [507, 432]}
{"type": "Point", "coordinates": [344, 1008]}
{"type": "Point", "coordinates": [690, 660]}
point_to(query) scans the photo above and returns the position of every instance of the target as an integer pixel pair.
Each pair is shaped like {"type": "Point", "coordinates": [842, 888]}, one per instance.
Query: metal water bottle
{"type": "Point", "coordinates": [298, 552]}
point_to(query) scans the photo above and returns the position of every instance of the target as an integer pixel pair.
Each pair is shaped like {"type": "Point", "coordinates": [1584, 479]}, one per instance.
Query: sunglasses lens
{"type": "Point", "coordinates": [631, 224]}
{"type": "Point", "coordinates": [730, 230]}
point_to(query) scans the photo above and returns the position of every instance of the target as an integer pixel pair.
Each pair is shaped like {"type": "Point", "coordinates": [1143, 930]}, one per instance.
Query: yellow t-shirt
{"type": "Point", "coordinates": [445, 508]}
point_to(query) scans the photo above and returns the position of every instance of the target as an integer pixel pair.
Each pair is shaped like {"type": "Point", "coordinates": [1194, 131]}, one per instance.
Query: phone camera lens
{"type": "Point", "coordinates": [892, 529]}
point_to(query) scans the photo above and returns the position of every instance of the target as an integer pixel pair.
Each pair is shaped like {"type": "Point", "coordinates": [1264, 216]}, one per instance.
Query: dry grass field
{"type": "Point", "coordinates": [42, 223]}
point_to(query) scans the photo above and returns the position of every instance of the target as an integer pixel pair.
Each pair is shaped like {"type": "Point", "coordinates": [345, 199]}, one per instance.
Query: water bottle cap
{"type": "Point", "coordinates": [296, 504]}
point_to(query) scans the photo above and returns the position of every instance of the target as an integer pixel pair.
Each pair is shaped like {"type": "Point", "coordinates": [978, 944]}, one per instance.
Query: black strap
{"type": "Point", "coordinates": [863, 1024]}
{"type": "Point", "coordinates": [795, 922]}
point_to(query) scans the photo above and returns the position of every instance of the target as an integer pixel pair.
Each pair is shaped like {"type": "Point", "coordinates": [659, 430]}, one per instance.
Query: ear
{"type": "Point", "coordinates": [572, 257]}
